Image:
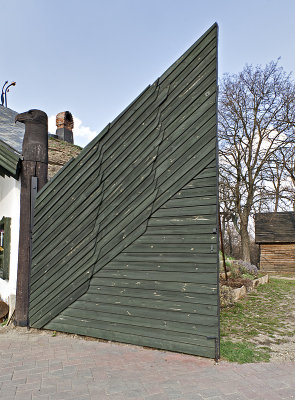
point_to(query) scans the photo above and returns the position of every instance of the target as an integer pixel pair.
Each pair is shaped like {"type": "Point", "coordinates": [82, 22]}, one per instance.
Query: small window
{"type": "Point", "coordinates": [4, 247]}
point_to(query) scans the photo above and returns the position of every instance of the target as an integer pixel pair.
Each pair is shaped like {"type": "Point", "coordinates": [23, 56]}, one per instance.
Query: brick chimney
{"type": "Point", "coordinates": [64, 126]}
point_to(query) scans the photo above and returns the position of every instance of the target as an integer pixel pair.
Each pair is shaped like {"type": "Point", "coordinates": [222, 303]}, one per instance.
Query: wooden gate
{"type": "Point", "coordinates": [125, 242]}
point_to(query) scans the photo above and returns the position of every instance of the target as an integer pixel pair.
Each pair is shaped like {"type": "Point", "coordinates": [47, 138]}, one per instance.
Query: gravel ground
{"type": "Point", "coordinates": [285, 350]}
{"type": "Point", "coordinates": [282, 345]}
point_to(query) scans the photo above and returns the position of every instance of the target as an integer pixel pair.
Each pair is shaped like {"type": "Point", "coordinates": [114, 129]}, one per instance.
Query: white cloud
{"type": "Point", "coordinates": [82, 134]}
{"type": "Point", "coordinates": [51, 124]}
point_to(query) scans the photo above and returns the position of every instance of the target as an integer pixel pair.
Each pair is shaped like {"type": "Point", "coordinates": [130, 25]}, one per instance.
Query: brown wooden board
{"type": "Point", "coordinates": [278, 257]}
{"type": "Point", "coordinates": [125, 235]}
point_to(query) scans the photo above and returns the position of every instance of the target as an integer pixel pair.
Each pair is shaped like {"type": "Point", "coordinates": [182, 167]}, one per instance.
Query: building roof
{"type": "Point", "coordinates": [275, 227]}
{"type": "Point", "coordinates": [11, 139]}
{"type": "Point", "coordinates": [59, 153]}
{"type": "Point", "coordinates": [11, 133]}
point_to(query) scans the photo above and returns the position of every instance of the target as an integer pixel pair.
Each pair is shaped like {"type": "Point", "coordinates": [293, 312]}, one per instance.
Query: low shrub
{"type": "Point", "coordinates": [226, 296]}
{"type": "Point", "coordinates": [246, 268]}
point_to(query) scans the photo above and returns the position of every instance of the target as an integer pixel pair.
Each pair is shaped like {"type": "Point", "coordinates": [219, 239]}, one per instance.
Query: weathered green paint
{"type": "Point", "coordinates": [125, 235]}
{"type": "Point", "coordinates": [9, 161]}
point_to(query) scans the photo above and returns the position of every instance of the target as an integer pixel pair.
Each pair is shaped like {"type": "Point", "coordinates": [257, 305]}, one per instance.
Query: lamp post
{"type": "Point", "coordinates": [7, 90]}
{"type": "Point", "coordinates": [2, 94]}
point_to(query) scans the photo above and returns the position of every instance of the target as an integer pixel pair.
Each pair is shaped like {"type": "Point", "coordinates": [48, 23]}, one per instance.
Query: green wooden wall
{"type": "Point", "coordinates": [9, 161]}
{"type": "Point", "coordinates": [124, 244]}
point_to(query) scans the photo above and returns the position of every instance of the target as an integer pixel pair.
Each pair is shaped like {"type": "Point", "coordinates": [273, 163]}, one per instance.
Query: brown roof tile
{"type": "Point", "coordinates": [59, 153]}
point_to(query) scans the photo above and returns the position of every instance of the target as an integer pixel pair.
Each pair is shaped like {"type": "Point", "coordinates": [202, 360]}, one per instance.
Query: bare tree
{"type": "Point", "coordinates": [256, 121]}
{"type": "Point", "coordinates": [288, 162]}
{"type": "Point", "coordinates": [279, 184]}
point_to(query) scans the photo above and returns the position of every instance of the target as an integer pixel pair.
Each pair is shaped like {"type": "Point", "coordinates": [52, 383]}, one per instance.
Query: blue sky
{"type": "Point", "coordinates": [93, 57]}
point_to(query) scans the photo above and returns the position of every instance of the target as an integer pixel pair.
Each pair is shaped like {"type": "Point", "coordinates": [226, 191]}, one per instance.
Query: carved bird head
{"type": "Point", "coordinates": [35, 142]}
{"type": "Point", "coordinates": [32, 117]}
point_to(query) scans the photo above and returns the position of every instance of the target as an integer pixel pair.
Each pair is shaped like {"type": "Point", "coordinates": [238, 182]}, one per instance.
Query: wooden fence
{"type": "Point", "coordinates": [125, 242]}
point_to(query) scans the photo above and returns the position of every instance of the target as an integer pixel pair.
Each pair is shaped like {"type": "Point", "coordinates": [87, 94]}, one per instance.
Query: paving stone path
{"type": "Point", "coordinates": [36, 365]}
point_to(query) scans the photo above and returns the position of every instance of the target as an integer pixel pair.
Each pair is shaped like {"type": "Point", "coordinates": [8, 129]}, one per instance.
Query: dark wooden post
{"type": "Point", "coordinates": [34, 165]}
{"type": "Point", "coordinates": [222, 247]}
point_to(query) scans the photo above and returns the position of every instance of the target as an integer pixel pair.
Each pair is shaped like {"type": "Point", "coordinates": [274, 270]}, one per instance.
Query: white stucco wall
{"type": "Point", "coordinates": [10, 207]}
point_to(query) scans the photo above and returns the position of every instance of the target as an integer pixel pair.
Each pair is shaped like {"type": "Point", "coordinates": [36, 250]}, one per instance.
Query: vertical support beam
{"type": "Point", "coordinates": [33, 177]}
{"type": "Point", "coordinates": [34, 190]}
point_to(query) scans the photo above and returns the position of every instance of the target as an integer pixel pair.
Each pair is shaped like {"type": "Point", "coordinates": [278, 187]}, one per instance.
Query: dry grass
{"type": "Point", "coordinates": [263, 318]}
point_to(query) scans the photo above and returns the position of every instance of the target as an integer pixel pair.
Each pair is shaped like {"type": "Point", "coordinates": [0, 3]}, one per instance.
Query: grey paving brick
{"type": "Point", "coordinates": [210, 393]}
{"type": "Point", "coordinates": [159, 396]}
{"type": "Point", "coordinates": [66, 395]}
{"type": "Point", "coordinates": [24, 395]}
{"type": "Point", "coordinates": [285, 393]}
{"type": "Point", "coordinates": [81, 397]}
{"type": "Point", "coordinates": [97, 393]}
{"type": "Point", "coordinates": [215, 398]}
{"type": "Point", "coordinates": [42, 363]}
{"type": "Point", "coordinates": [29, 386]}
{"type": "Point", "coordinates": [65, 385]}
{"type": "Point", "coordinates": [235, 396]}
{"type": "Point", "coordinates": [6, 377]}
{"type": "Point", "coordinates": [7, 391]}
{"type": "Point", "coordinates": [34, 378]}
{"type": "Point", "coordinates": [19, 375]}
{"type": "Point", "coordinates": [39, 397]}
{"type": "Point", "coordinates": [13, 383]}
{"type": "Point", "coordinates": [25, 365]}
{"type": "Point", "coordinates": [56, 373]}
{"type": "Point", "coordinates": [37, 370]}
{"type": "Point", "coordinates": [6, 370]}
{"type": "Point", "coordinates": [4, 396]}
{"type": "Point", "coordinates": [46, 390]}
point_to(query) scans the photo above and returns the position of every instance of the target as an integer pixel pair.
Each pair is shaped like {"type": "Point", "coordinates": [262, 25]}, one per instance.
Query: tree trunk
{"type": "Point", "coordinates": [230, 244]}
{"type": "Point", "coordinates": [277, 200]}
{"type": "Point", "coordinates": [245, 242]}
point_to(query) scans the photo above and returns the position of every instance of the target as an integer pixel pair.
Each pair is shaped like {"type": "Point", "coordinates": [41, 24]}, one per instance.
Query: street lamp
{"type": "Point", "coordinates": [7, 90]}
{"type": "Point", "coordinates": [2, 93]}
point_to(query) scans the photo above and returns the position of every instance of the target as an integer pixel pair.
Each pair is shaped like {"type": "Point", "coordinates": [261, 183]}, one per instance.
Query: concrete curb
{"type": "Point", "coordinates": [242, 291]}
